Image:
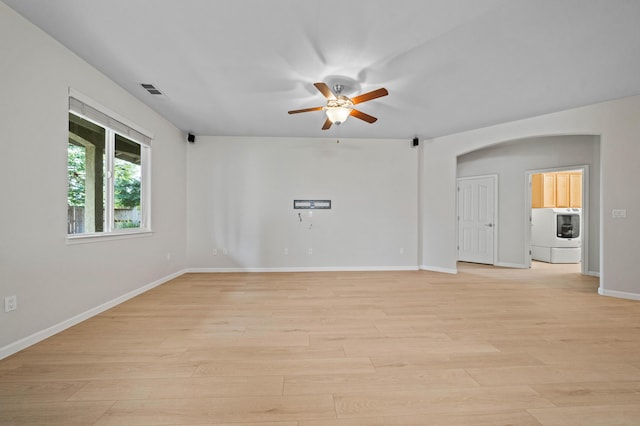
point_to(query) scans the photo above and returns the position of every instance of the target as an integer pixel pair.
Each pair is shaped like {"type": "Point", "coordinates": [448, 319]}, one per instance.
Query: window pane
{"type": "Point", "coordinates": [87, 177]}
{"type": "Point", "coordinates": [127, 182]}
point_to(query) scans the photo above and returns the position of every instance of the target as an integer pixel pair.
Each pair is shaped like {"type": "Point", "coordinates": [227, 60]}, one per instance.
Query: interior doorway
{"type": "Point", "coordinates": [558, 217]}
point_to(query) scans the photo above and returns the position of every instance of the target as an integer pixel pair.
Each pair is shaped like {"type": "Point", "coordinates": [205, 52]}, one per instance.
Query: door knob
{"type": "Point", "coordinates": [490, 225]}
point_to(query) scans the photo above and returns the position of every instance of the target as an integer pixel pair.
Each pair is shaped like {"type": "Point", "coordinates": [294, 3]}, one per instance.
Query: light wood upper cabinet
{"type": "Point", "coordinates": [549, 190]}
{"type": "Point", "coordinates": [575, 195]}
{"type": "Point", "coordinates": [556, 190]}
{"type": "Point", "coordinates": [562, 190]}
{"type": "Point", "coordinates": [543, 190]}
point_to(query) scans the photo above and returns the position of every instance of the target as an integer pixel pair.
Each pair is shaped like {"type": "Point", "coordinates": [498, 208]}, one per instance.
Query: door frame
{"type": "Point", "coordinates": [494, 177]}
{"type": "Point", "coordinates": [584, 247]}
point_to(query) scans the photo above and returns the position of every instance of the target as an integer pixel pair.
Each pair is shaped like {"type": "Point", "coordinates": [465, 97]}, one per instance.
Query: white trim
{"type": "Point", "coordinates": [528, 216]}
{"type": "Point", "coordinates": [306, 269]}
{"type": "Point", "coordinates": [618, 294]}
{"type": "Point", "coordinates": [512, 265]}
{"type": "Point", "coordinates": [39, 336]}
{"type": "Point", "coordinates": [593, 274]}
{"type": "Point", "coordinates": [438, 269]}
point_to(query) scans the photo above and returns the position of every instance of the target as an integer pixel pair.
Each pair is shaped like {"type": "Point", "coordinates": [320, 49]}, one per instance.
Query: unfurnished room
{"type": "Point", "coordinates": [304, 213]}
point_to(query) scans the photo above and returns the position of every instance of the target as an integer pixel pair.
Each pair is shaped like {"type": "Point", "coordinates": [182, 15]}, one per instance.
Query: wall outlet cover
{"type": "Point", "coordinates": [10, 303]}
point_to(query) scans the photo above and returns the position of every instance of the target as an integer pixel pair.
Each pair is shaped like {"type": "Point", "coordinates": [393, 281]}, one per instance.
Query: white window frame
{"type": "Point", "coordinates": [113, 123]}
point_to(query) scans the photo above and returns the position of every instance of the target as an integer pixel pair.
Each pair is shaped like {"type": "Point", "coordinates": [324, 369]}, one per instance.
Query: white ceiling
{"type": "Point", "coordinates": [235, 67]}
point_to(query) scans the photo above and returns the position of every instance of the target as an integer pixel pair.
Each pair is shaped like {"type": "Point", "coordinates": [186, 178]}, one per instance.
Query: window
{"type": "Point", "coordinates": [108, 165]}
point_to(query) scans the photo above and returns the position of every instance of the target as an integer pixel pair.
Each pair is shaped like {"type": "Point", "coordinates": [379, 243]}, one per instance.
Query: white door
{"type": "Point", "coordinates": [476, 219]}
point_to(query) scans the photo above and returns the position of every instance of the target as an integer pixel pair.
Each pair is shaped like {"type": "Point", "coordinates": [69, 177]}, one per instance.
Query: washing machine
{"type": "Point", "coordinates": [556, 235]}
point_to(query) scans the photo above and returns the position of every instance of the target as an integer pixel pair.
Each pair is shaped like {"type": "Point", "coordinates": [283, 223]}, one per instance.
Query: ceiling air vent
{"type": "Point", "coordinates": [151, 89]}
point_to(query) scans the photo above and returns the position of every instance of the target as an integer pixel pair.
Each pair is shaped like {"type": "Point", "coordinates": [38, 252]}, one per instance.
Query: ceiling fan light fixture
{"type": "Point", "coordinates": [338, 114]}
{"type": "Point", "coordinates": [340, 107]}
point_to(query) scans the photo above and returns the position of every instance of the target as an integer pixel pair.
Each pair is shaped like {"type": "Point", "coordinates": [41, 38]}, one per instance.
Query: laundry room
{"type": "Point", "coordinates": [556, 216]}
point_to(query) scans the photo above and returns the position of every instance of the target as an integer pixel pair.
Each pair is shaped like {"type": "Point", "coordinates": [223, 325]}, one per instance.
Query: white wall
{"type": "Point", "coordinates": [511, 161]}
{"type": "Point", "coordinates": [56, 282]}
{"type": "Point", "coordinates": [617, 124]}
{"type": "Point", "coordinates": [241, 192]}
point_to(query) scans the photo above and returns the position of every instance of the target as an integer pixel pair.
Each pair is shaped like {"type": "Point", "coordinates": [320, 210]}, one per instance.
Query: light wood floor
{"type": "Point", "coordinates": [488, 346]}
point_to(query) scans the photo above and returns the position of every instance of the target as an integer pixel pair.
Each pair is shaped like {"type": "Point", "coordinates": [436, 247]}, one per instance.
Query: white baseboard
{"type": "Point", "coordinates": [39, 336]}
{"type": "Point", "coordinates": [438, 269]}
{"type": "Point", "coordinates": [618, 294]}
{"type": "Point", "coordinates": [511, 265]}
{"type": "Point", "coordinates": [306, 269]}
{"type": "Point", "coordinates": [593, 274]}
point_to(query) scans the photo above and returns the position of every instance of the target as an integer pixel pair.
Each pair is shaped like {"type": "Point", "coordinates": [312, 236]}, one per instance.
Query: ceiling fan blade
{"type": "Point", "coordinates": [370, 95]}
{"type": "Point", "coordinates": [297, 111]}
{"type": "Point", "coordinates": [326, 124]}
{"type": "Point", "coordinates": [362, 116]}
{"type": "Point", "coordinates": [325, 90]}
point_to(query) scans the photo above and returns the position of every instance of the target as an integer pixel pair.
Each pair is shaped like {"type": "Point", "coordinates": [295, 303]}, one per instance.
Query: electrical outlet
{"type": "Point", "coordinates": [10, 303]}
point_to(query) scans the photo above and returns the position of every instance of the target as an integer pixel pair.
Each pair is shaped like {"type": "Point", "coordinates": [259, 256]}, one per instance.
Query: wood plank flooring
{"type": "Point", "coordinates": [488, 346]}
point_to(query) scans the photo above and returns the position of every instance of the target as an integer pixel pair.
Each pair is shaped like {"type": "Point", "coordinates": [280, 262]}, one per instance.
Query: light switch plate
{"type": "Point", "coordinates": [618, 213]}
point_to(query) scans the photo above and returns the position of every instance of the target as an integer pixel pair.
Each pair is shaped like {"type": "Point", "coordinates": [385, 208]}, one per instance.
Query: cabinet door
{"type": "Point", "coordinates": [575, 190]}
{"type": "Point", "coordinates": [548, 190]}
{"type": "Point", "coordinates": [536, 191]}
{"type": "Point", "coordinates": [562, 190]}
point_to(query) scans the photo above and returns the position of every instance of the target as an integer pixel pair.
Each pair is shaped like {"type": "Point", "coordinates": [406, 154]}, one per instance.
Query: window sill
{"type": "Point", "coordinates": [94, 238]}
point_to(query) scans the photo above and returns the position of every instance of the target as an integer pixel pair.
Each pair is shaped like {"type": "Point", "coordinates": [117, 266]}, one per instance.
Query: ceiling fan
{"type": "Point", "coordinates": [340, 107]}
